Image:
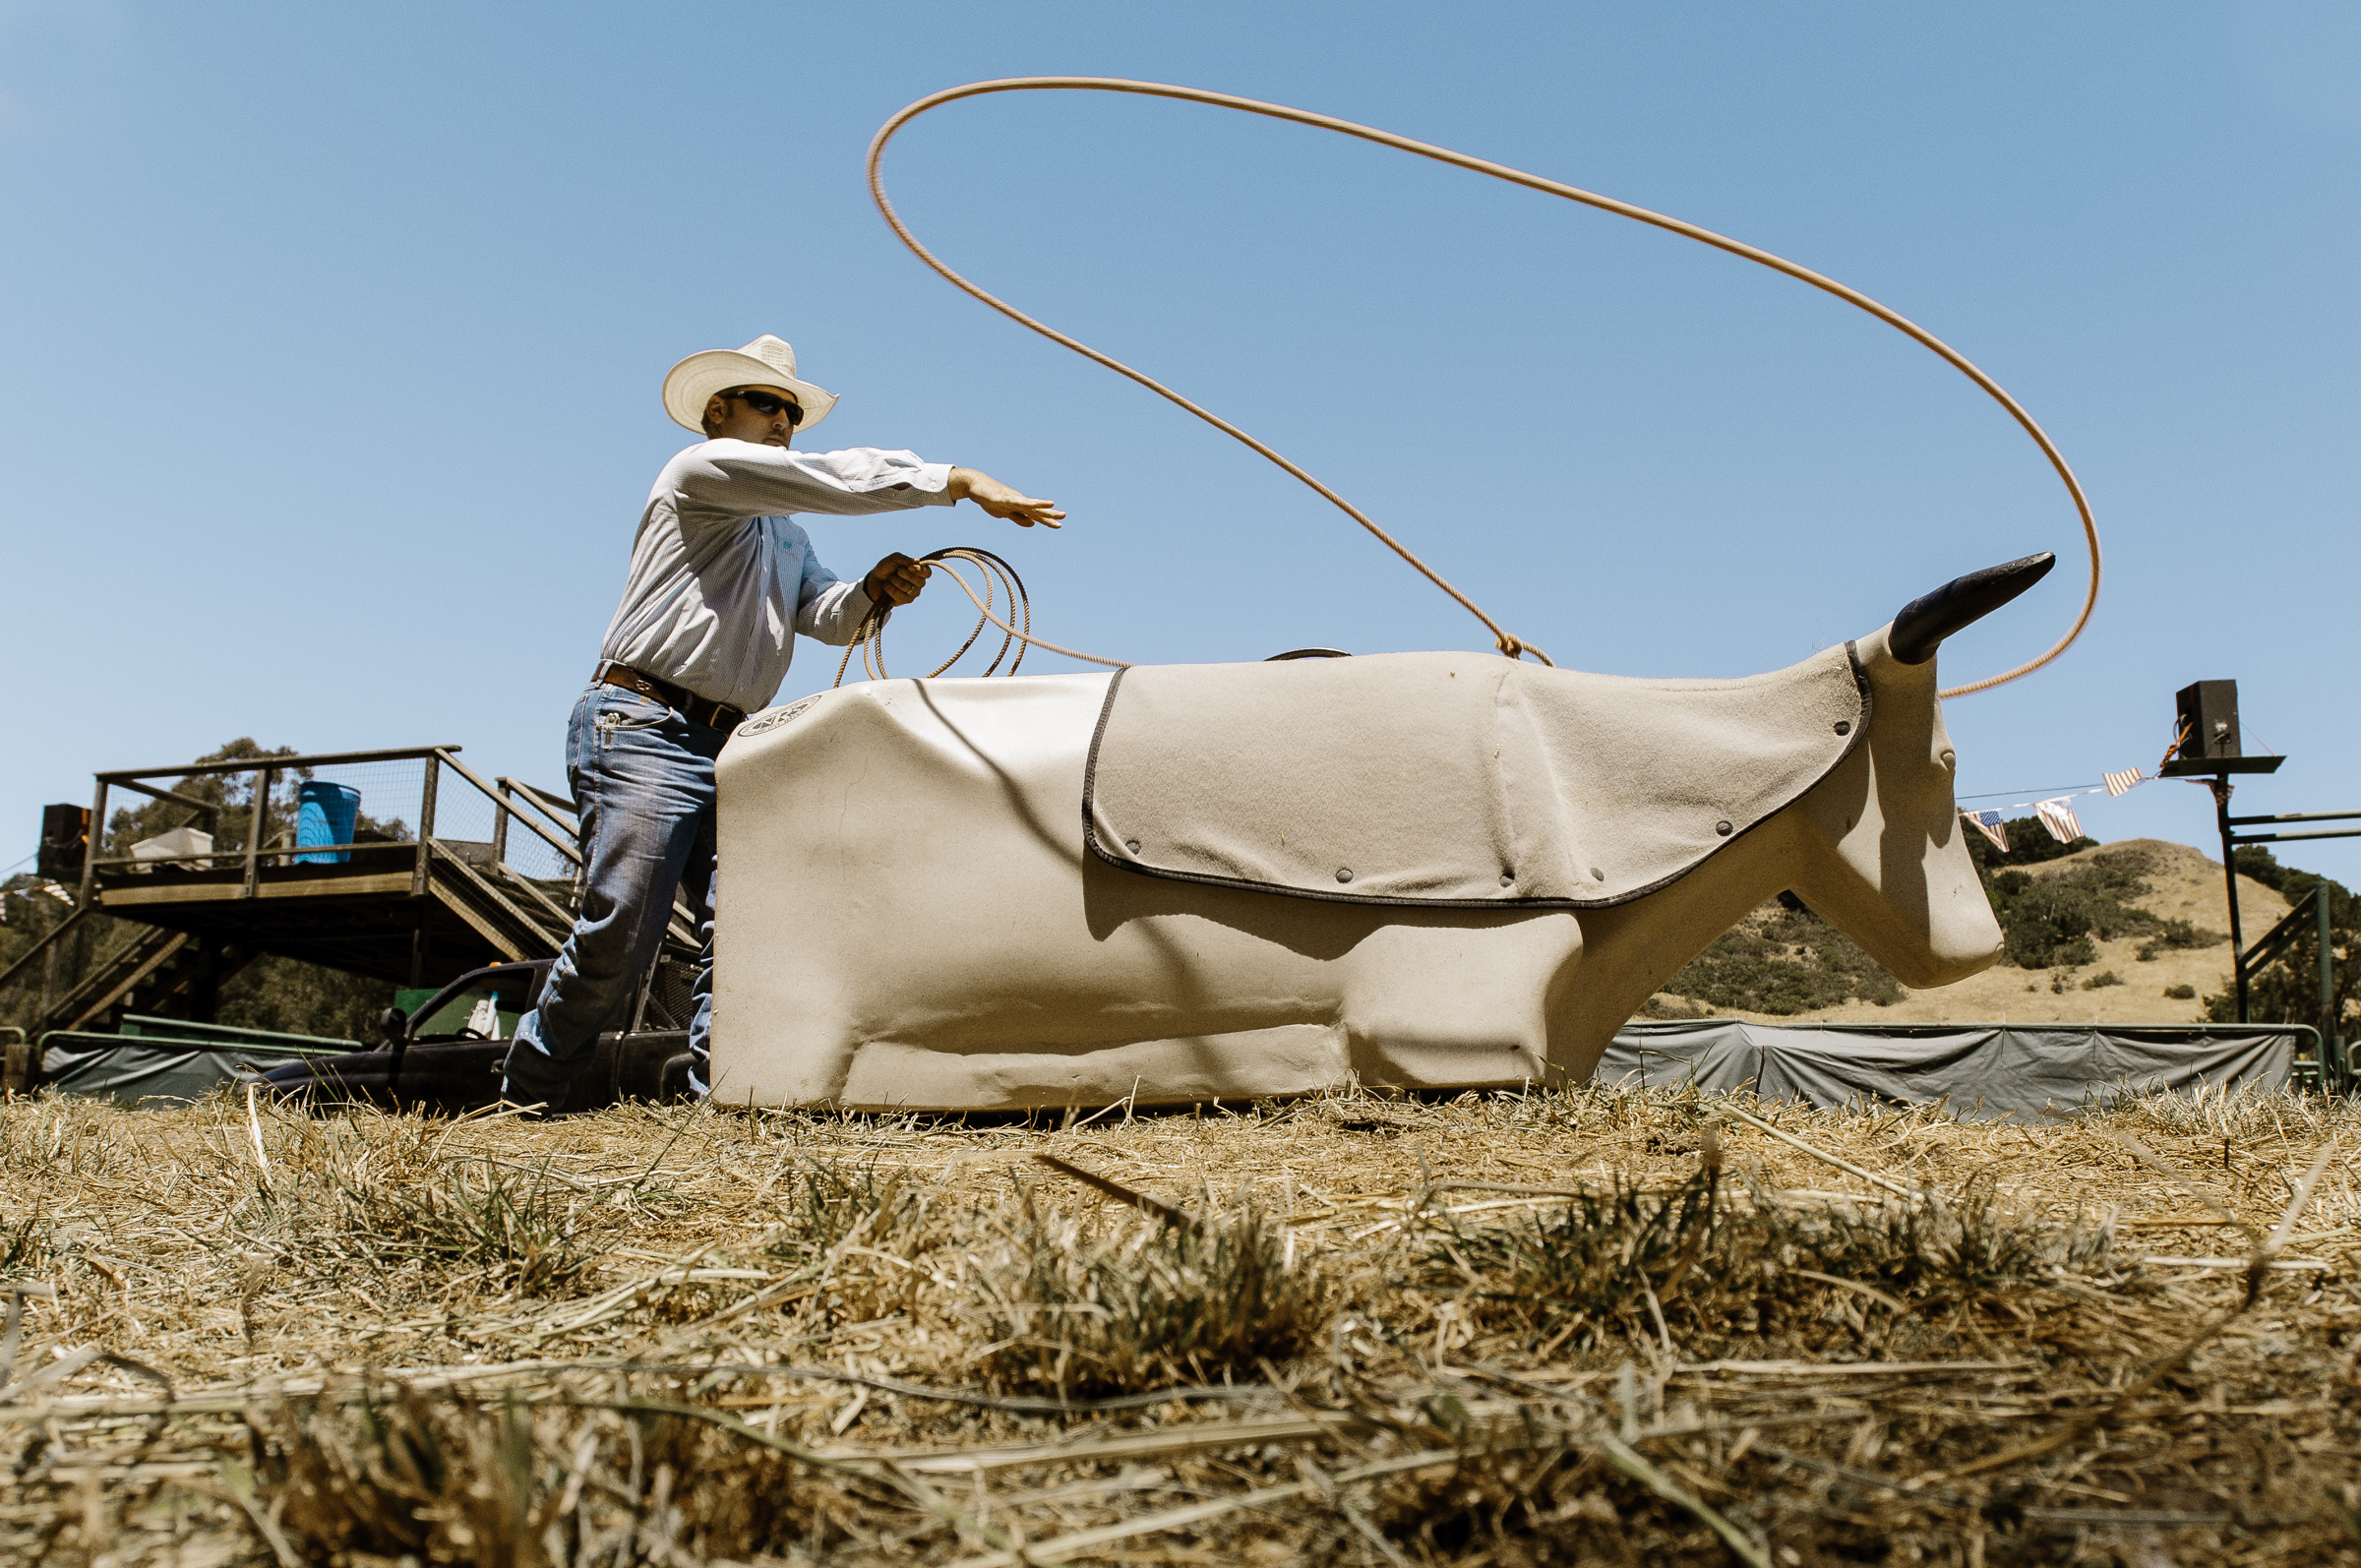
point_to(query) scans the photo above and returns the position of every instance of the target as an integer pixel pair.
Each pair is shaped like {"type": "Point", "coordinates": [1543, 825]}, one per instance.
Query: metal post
{"type": "Point", "coordinates": [2331, 1044]}
{"type": "Point", "coordinates": [256, 821]}
{"type": "Point", "coordinates": [204, 993]}
{"type": "Point", "coordinates": [647, 983]}
{"type": "Point", "coordinates": [90, 846]}
{"type": "Point", "coordinates": [93, 846]}
{"type": "Point", "coordinates": [500, 828]}
{"type": "Point", "coordinates": [2229, 871]}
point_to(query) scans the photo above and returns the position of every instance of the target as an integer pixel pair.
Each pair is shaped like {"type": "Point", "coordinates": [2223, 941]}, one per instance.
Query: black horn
{"type": "Point", "coordinates": [1962, 602]}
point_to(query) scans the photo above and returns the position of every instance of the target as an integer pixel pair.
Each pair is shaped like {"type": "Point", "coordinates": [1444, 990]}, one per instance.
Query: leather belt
{"type": "Point", "coordinates": [712, 715]}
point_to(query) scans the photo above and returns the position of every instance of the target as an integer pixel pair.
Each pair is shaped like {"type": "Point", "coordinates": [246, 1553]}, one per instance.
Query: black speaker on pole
{"type": "Point", "coordinates": [2207, 712]}
{"type": "Point", "coordinates": [65, 835]}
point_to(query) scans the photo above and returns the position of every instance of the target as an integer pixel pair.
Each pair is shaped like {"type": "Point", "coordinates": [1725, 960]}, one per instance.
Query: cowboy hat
{"type": "Point", "coordinates": [765, 362]}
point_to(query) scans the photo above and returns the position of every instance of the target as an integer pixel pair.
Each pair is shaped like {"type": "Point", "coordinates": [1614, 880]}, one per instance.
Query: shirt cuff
{"type": "Point", "coordinates": [932, 482]}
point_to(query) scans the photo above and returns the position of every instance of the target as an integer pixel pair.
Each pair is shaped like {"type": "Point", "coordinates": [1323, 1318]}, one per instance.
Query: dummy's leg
{"type": "Point", "coordinates": [644, 778]}
{"type": "Point", "coordinates": [1437, 1002]}
{"type": "Point", "coordinates": [702, 885]}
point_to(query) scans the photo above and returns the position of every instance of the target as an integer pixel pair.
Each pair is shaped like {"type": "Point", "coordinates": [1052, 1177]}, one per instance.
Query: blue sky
{"type": "Point", "coordinates": [328, 393]}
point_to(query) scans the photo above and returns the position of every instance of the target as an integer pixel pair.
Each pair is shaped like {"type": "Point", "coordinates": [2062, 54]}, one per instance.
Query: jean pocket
{"type": "Point", "coordinates": [622, 712]}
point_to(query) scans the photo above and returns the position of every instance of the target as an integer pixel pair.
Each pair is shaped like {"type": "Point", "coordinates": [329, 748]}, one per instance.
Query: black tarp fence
{"type": "Point", "coordinates": [2026, 1071]}
{"type": "Point", "coordinates": [1985, 1071]}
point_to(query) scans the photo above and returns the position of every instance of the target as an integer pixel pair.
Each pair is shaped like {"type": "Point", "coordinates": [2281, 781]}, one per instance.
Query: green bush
{"type": "Point", "coordinates": [2179, 934]}
{"type": "Point", "coordinates": [2056, 920]}
{"type": "Point", "coordinates": [2181, 992]}
{"type": "Point", "coordinates": [1783, 959]}
{"type": "Point", "coordinates": [2044, 923]}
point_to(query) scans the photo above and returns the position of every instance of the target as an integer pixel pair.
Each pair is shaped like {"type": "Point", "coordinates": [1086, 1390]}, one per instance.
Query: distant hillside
{"type": "Point", "coordinates": [2133, 931]}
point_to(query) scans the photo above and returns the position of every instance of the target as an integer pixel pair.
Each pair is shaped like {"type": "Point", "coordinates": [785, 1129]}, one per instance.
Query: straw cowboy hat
{"type": "Point", "coordinates": [765, 362]}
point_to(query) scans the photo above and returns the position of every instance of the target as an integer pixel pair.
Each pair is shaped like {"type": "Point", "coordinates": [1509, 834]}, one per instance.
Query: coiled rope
{"type": "Point", "coordinates": [1509, 644]}
{"type": "Point", "coordinates": [998, 575]}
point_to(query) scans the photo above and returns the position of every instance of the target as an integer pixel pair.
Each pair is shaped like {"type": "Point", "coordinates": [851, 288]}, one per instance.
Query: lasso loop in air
{"type": "Point", "coordinates": [1508, 644]}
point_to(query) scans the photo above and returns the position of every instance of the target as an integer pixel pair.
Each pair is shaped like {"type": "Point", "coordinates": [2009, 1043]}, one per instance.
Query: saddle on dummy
{"type": "Point", "coordinates": [1452, 778]}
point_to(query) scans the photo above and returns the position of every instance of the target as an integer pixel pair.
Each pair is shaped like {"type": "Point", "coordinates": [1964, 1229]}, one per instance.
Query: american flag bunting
{"type": "Point", "coordinates": [1989, 824]}
{"type": "Point", "coordinates": [2058, 818]}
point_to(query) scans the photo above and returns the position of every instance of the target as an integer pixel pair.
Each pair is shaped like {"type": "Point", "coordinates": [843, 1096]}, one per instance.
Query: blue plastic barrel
{"type": "Point", "coordinates": [324, 815]}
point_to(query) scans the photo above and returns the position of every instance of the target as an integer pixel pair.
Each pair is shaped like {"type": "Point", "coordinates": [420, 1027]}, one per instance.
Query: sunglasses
{"type": "Point", "coordinates": [770, 404]}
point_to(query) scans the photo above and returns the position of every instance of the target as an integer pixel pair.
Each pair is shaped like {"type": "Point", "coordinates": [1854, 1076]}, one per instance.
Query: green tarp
{"type": "Point", "coordinates": [158, 1062]}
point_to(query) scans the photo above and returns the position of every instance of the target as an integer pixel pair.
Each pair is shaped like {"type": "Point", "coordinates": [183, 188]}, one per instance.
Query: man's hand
{"type": "Point", "coordinates": [895, 580]}
{"type": "Point", "coordinates": [970, 484]}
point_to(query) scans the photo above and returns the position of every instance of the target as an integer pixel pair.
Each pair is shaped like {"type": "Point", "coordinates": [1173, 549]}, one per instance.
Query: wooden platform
{"type": "Point", "coordinates": [381, 914]}
{"type": "Point", "coordinates": [407, 903]}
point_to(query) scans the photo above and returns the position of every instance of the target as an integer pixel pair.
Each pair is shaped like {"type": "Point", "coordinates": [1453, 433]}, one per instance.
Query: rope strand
{"type": "Point", "coordinates": [1509, 644]}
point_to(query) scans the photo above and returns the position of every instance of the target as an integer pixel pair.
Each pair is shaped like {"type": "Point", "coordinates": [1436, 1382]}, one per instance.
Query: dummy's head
{"type": "Point", "coordinates": [764, 415]}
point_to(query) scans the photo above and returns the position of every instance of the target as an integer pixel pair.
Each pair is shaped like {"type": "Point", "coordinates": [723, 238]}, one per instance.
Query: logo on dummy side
{"type": "Point", "coordinates": [762, 723]}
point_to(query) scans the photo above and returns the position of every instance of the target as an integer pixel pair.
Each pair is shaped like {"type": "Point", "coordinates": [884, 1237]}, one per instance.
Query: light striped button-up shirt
{"type": "Point", "coordinates": [722, 580]}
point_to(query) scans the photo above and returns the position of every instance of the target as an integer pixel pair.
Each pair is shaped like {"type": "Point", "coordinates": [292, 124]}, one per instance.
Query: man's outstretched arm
{"type": "Point", "coordinates": [724, 480]}
{"type": "Point", "coordinates": [970, 484]}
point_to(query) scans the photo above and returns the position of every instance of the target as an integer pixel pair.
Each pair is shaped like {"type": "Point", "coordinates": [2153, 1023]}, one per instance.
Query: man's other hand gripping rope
{"type": "Point", "coordinates": [870, 637]}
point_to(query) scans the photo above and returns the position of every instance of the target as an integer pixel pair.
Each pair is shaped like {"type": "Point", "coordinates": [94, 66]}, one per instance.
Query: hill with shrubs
{"type": "Point", "coordinates": [2131, 932]}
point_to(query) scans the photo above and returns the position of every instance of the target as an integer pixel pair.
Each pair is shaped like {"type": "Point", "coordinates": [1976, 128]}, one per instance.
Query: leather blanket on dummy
{"type": "Point", "coordinates": [1452, 778]}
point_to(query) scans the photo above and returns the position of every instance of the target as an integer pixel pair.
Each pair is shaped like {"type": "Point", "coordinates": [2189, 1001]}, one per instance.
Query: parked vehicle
{"type": "Point", "coordinates": [445, 1054]}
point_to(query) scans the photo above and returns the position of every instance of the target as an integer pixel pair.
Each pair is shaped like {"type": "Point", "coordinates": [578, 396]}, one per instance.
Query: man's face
{"type": "Point", "coordinates": [729, 416]}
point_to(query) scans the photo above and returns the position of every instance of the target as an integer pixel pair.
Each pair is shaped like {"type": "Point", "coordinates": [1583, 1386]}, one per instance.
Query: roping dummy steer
{"type": "Point", "coordinates": [1196, 882]}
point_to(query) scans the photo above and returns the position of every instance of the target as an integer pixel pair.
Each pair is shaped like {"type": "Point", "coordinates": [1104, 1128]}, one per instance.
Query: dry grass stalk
{"type": "Point", "coordinates": [1590, 1326]}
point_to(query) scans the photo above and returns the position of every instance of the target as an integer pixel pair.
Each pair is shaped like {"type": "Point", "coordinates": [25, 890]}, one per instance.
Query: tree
{"type": "Point", "coordinates": [290, 997]}
{"type": "Point", "coordinates": [2287, 989]}
{"type": "Point", "coordinates": [232, 794]}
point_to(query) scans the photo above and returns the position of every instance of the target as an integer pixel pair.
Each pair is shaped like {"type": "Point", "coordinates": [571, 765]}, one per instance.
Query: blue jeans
{"type": "Point", "coordinates": [643, 777]}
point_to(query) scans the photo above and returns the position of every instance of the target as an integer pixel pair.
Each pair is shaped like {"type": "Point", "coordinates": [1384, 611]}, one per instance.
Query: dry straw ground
{"type": "Point", "coordinates": [1567, 1328]}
